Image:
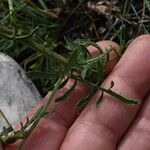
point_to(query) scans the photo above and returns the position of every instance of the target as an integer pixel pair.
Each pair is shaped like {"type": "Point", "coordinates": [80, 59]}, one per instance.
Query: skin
{"type": "Point", "coordinates": [113, 125]}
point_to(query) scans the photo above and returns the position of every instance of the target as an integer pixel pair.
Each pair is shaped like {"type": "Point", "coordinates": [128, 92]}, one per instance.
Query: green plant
{"type": "Point", "coordinates": [43, 61]}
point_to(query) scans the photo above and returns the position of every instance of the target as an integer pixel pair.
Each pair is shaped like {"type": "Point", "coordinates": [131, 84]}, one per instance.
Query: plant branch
{"type": "Point", "coordinates": [10, 3]}
{"type": "Point", "coordinates": [109, 91]}
{"type": "Point", "coordinates": [1, 112]}
{"type": "Point", "coordinates": [6, 33]}
{"type": "Point", "coordinates": [41, 113]}
{"type": "Point", "coordinates": [45, 11]}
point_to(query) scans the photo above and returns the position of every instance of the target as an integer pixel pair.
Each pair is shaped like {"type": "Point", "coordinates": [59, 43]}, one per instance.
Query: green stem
{"type": "Point", "coordinates": [122, 22]}
{"type": "Point", "coordinates": [41, 11]}
{"type": "Point", "coordinates": [10, 4]}
{"type": "Point", "coordinates": [43, 4]}
{"type": "Point", "coordinates": [34, 45]}
{"type": "Point", "coordinates": [40, 115]}
{"type": "Point", "coordinates": [6, 33]}
{"type": "Point", "coordinates": [1, 112]}
{"type": "Point", "coordinates": [140, 19]}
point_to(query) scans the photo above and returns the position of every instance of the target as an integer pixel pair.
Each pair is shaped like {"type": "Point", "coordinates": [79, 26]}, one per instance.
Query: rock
{"type": "Point", "coordinates": [17, 92]}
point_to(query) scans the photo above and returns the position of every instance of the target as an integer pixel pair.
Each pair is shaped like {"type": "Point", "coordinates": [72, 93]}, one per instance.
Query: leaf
{"type": "Point", "coordinates": [104, 58]}
{"type": "Point", "coordinates": [71, 62]}
{"type": "Point", "coordinates": [39, 74]}
{"type": "Point", "coordinates": [6, 131]}
{"type": "Point", "coordinates": [71, 44]}
{"type": "Point", "coordinates": [33, 118]}
{"type": "Point", "coordinates": [64, 83]}
{"type": "Point", "coordinates": [112, 85]}
{"type": "Point", "coordinates": [123, 99]}
{"type": "Point", "coordinates": [67, 94]}
{"type": "Point", "coordinates": [6, 45]}
{"type": "Point", "coordinates": [30, 59]}
{"type": "Point", "coordinates": [86, 42]}
{"type": "Point", "coordinates": [100, 70]}
{"type": "Point", "coordinates": [84, 70]}
{"type": "Point", "coordinates": [100, 99]}
{"type": "Point", "coordinates": [27, 119]}
{"type": "Point", "coordinates": [147, 2]}
{"type": "Point", "coordinates": [118, 55]}
{"type": "Point", "coordinates": [86, 99]}
{"type": "Point", "coordinates": [21, 124]}
{"type": "Point", "coordinates": [10, 139]}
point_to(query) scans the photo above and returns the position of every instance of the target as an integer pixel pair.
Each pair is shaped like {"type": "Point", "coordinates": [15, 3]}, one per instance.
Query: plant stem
{"type": "Point", "coordinates": [45, 11]}
{"type": "Point", "coordinates": [6, 33]}
{"type": "Point", "coordinates": [122, 22]}
{"type": "Point", "coordinates": [10, 3]}
{"type": "Point", "coordinates": [34, 45]}
{"type": "Point", "coordinates": [1, 112]}
{"type": "Point", "coordinates": [43, 4]}
{"type": "Point", "coordinates": [41, 113]}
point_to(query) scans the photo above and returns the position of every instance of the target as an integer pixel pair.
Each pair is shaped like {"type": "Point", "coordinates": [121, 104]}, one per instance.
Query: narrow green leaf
{"type": "Point", "coordinates": [118, 55]}
{"type": "Point", "coordinates": [39, 74]}
{"type": "Point", "coordinates": [86, 42]}
{"type": "Point", "coordinates": [64, 83]}
{"type": "Point", "coordinates": [27, 119]}
{"type": "Point", "coordinates": [24, 37]}
{"type": "Point", "coordinates": [6, 131]}
{"type": "Point", "coordinates": [86, 99]}
{"type": "Point", "coordinates": [21, 124]}
{"type": "Point", "coordinates": [71, 62]}
{"type": "Point", "coordinates": [100, 99]}
{"type": "Point", "coordinates": [112, 85]}
{"type": "Point", "coordinates": [147, 2]}
{"type": "Point", "coordinates": [10, 139]}
{"type": "Point", "coordinates": [100, 70]}
{"type": "Point", "coordinates": [84, 70]}
{"type": "Point", "coordinates": [71, 44]}
{"type": "Point", "coordinates": [123, 99]}
{"type": "Point", "coordinates": [67, 94]}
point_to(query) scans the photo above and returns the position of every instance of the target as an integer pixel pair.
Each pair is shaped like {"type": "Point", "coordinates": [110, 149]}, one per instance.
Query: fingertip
{"type": "Point", "coordinates": [141, 42]}
{"type": "Point", "coordinates": [105, 45]}
{"type": "Point", "coordinates": [143, 37]}
{"type": "Point", "coordinates": [138, 48]}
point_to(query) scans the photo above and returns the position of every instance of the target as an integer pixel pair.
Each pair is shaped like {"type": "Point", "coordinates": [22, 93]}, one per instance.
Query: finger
{"type": "Point", "coordinates": [50, 132]}
{"type": "Point", "coordinates": [1, 146]}
{"type": "Point", "coordinates": [103, 127]}
{"type": "Point", "coordinates": [138, 136]}
{"type": "Point", "coordinates": [105, 45]}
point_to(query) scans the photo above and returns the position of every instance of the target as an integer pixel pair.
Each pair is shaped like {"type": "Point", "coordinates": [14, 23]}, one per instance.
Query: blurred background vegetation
{"type": "Point", "coordinates": [47, 22]}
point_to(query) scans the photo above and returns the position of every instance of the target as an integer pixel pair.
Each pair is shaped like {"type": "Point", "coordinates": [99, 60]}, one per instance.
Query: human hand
{"type": "Point", "coordinates": [113, 125]}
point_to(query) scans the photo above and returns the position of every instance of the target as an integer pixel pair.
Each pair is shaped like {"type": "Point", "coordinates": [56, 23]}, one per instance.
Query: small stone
{"type": "Point", "coordinates": [17, 92]}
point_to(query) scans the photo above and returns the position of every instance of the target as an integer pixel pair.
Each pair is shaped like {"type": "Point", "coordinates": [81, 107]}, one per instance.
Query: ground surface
{"type": "Point", "coordinates": [117, 20]}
